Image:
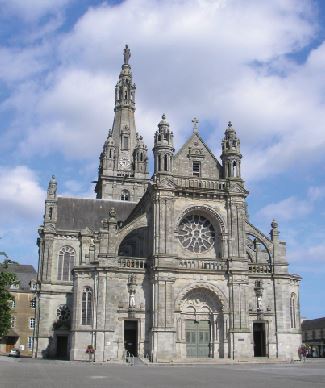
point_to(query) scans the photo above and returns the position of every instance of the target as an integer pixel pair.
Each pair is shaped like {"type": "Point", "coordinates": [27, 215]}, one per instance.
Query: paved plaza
{"type": "Point", "coordinates": [16, 373]}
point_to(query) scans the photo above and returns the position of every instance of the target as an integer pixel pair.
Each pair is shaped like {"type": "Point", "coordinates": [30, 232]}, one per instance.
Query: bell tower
{"type": "Point", "coordinates": [123, 163]}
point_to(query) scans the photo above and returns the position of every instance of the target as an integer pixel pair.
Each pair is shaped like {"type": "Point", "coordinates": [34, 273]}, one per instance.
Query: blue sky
{"type": "Point", "coordinates": [257, 63]}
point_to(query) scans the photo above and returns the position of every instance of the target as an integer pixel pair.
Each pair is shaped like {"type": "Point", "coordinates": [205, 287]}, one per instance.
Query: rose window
{"type": "Point", "coordinates": [63, 312]}
{"type": "Point", "coordinates": [196, 233]}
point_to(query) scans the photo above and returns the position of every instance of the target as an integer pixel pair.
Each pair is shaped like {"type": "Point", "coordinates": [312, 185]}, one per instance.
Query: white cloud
{"type": "Point", "coordinates": [20, 194]}
{"type": "Point", "coordinates": [189, 58]}
{"type": "Point", "coordinates": [287, 209]}
{"type": "Point", "coordinates": [316, 192]}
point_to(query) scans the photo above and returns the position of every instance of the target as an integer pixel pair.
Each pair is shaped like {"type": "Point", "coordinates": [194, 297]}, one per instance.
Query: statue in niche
{"type": "Point", "coordinates": [259, 302]}
{"type": "Point", "coordinates": [131, 298]}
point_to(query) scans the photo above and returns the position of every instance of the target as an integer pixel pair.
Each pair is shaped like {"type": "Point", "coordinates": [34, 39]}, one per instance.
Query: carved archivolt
{"type": "Point", "coordinates": [200, 291]}
{"type": "Point", "coordinates": [205, 210]}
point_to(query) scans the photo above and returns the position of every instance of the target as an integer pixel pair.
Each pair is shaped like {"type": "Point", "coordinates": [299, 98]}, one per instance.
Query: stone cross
{"type": "Point", "coordinates": [127, 55]}
{"type": "Point", "coordinates": [195, 122]}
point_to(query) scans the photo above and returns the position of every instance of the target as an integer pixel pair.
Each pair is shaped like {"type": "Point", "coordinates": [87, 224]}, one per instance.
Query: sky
{"type": "Point", "coordinates": [257, 63]}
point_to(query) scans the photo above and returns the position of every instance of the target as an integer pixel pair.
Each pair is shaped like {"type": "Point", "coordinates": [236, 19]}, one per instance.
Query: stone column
{"type": "Point", "coordinates": [163, 331]}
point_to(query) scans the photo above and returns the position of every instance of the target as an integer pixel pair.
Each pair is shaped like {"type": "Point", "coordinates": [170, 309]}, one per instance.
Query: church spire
{"type": "Point", "coordinates": [125, 88]}
{"type": "Point", "coordinates": [122, 149]}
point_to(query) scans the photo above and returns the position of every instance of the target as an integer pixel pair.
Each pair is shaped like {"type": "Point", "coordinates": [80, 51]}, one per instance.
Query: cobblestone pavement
{"type": "Point", "coordinates": [16, 373]}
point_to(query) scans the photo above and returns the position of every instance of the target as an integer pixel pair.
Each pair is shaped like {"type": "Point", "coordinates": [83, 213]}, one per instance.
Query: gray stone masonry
{"type": "Point", "coordinates": [168, 268]}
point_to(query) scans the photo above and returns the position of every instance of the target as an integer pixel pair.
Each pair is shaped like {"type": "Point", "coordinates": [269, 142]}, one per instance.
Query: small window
{"type": "Point", "coordinates": [125, 142]}
{"type": "Point", "coordinates": [50, 213]}
{"type": "Point", "coordinates": [33, 303]}
{"type": "Point", "coordinates": [13, 322]}
{"type": "Point", "coordinates": [196, 168]}
{"type": "Point", "coordinates": [13, 303]}
{"type": "Point", "coordinates": [125, 195]}
{"type": "Point", "coordinates": [30, 343]}
{"type": "Point", "coordinates": [31, 323]}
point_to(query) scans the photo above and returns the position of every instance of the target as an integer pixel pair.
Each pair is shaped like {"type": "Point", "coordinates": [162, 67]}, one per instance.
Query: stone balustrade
{"type": "Point", "coordinates": [200, 183]}
{"type": "Point", "coordinates": [259, 268]}
{"type": "Point", "coordinates": [197, 264]}
{"type": "Point", "coordinates": [132, 262]}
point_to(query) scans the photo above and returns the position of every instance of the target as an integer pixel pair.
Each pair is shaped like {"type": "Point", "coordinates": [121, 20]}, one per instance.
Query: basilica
{"type": "Point", "coordinates": [168, 267]}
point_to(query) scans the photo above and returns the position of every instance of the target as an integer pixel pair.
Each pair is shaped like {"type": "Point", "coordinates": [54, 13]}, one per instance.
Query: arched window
{"type": "Point", "coordinates": [293, 311]}
{"type": "Point", "coordinates": [125, 195]}
{"type": "Point", "coordinates": [234, 166]}
{"type": "Point", "coordinates": [86, 308]}
{"type": "Point", "coordinates": [66, 263]}
{"type": "Point", "coordinates": [166, 163]}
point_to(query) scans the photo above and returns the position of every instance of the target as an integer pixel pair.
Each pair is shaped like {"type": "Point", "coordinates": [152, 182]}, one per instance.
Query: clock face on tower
{"type": "Point", "coordinates": [124, 162]}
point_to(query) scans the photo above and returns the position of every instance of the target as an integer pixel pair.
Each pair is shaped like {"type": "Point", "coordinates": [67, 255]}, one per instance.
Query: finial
{"type": "Point", "coordinates": [127, 55]}
{"type": "Point", "coordinates": [274, 224]}
{"type": "Point", "coordinates": [229, 124]}
{"type": "Point", "coordinates": [51, 191]}
{"type": "Point", "coordinates": [163, 121]}
{"type": "Point", "coordinates": [195, 122]}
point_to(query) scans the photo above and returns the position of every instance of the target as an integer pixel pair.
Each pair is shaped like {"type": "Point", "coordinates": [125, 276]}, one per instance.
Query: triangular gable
{"type": "Point", "coordinates": [195, 149]}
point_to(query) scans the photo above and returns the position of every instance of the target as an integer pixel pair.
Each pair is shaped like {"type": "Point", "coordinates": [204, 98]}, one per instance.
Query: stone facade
{"type": "Point", "coordinates": [168, 267]}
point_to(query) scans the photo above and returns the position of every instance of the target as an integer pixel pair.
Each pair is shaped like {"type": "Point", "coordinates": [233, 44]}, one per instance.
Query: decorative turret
{"type": "Point", "coordinates": [51, 191]}
{"type": "Point", "coordinates": [231, 154]}
{"type": "Point", "coordinates": [107, 157]}
{"type": "Point", "coordinates": [163, 149]}
{"type": "Point", "coordinates": [140, 157]}
{"type": "Point", "coordinates": [51, 202]}
{"type": "Point", "coordinates": [119, 172]}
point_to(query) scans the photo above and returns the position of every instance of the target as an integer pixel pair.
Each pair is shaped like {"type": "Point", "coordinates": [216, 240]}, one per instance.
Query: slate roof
{"type": "Point", "coordinates": [78, 213]}
{"type": "Point", "coordinates": [24, 273]}
{"type": "Point", "coordinates": [309, 324]}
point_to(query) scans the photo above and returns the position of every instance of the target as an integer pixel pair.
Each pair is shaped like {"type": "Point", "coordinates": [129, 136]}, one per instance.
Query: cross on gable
{"type": "Point", "coordinates": [195, 122]}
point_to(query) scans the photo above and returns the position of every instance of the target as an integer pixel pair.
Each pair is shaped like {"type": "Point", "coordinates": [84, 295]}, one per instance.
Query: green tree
{"type": "Point", "coordinates": [6, 280]}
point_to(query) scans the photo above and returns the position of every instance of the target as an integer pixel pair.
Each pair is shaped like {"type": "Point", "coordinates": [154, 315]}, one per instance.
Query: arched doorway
{"type": "Point", "coordinates": [200, 325]}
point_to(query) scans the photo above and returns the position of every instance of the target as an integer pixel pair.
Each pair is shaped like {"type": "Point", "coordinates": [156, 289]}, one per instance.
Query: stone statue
{"type": "Point", "coordinates": [127, 55]}
{"type": "Point", "coordinates": [112, 213]}
{"type": "Point", "coordinates": [131, 298]}
{"type": "Point", "coordinates": [259, 302]}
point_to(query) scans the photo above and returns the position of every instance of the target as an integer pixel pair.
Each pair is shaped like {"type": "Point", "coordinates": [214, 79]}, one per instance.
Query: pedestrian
{"type": "Point", "coordinates": [304, 353]}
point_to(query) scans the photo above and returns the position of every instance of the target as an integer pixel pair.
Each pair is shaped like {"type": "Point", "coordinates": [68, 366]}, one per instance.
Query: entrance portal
{"type": "Point", "coordinates": [62, 347]}
{"type": "Point", "coordinates": [259, 339]}
{"type": "Point", "coordinates": [130, 337]}
{"type": "Point", "coordinates": [197, 339]}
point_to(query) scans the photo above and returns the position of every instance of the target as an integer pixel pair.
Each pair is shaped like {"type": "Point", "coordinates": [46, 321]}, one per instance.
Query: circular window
{"type": "Point", "coordinates": [196, 233]}
{"type": "Point", "coordinates": [63, 312]}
